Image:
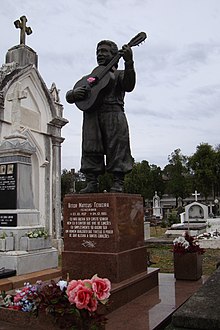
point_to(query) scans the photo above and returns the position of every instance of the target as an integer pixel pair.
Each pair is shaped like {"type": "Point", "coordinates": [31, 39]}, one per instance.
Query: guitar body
{"type": "Point", "coordinates": [95, 90]}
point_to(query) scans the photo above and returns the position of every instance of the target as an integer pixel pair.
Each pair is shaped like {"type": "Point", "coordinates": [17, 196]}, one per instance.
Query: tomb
{"type": "Point", "coordinates": [31, 119]}
{"type": "Point", "coordinates": [194, 219]}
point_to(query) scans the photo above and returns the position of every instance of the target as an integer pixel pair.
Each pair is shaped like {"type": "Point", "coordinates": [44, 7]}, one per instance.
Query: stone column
{"type": "Point", "coordinates": [56, 190]}
{"type": "Point", "coordinates": [54, 129]}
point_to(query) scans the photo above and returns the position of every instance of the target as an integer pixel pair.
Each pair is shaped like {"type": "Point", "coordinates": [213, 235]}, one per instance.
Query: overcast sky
{"type": "Point", "coordinates": [176, 102]}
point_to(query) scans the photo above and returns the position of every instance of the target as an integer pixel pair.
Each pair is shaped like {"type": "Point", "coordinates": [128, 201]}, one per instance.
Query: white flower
{"type": "Point", "coordinates": [182, 241]}
{"type": "Point", "coordinates": [185, 244]}
{"type": "Point", "coordinates": [62, 284]}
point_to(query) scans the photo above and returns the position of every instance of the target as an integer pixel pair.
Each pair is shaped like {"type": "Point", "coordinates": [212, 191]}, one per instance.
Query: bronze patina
{"type": "Point", "coordinates": [100, 95]}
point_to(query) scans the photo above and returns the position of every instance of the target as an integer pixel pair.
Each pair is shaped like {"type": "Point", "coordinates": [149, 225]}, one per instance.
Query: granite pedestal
{"type": "Point", "coordinates": [104, 235]}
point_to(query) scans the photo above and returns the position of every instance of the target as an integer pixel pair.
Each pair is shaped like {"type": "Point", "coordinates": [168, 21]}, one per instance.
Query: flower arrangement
{"type": "Point", "coordinates": [37, 233]}
{"type": "Point", "coordinates": [186, 244]}
{"type": "Point", "coordinates": [211, 235]}
{"type": "Point", "coordinates": [73, 305]}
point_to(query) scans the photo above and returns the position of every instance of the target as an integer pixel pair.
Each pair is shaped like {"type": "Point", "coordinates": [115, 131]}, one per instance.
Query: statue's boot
{"type": "Point", "coordinates": [92, 184]}
{"type": "Point", "coordinates": [118, 183]}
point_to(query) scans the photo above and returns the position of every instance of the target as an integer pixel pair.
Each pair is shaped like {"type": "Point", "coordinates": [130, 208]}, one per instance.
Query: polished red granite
{"type": "Point", "coordinates": [148, 311]}
{"type": "Point", "coordinates": [188, 266]}
{"type": "Point", "coordinates": [104, 235]}
{"type": "Point", "coordinates": [103, 222]}
{"type": "Point", "coordinates": [153, 309]}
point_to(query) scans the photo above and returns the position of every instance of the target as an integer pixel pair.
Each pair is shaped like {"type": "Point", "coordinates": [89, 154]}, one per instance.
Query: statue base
{"type": "Point", "coordinates": [104, 235]}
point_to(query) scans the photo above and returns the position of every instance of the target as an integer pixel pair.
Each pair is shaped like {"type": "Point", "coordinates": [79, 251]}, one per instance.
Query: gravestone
{"type": "Point", "coordinates": [31, 118]}
{"type": "Point", "coordinates": [103, 232]}
{"type": "Point", "coordinates": [104, 235]}
{"type": "Point", "coordinates": [194, 219]}
{"type": "Point", "coordinates": [196, 212]}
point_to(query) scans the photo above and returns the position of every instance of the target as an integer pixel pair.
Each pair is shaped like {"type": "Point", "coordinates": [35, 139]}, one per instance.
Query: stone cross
{"type": "Point", "coordinates": [16, 98]}
{"type": "Point", "coordinates": [24, 29]}
{"type": "Point", "coordinates": [196, 195]}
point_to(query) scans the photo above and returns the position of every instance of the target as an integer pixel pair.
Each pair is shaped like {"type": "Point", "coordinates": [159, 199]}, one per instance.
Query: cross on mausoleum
{"type": "Point", "coordinates": [24, 29]}
{"type": "Point", "coordinates": [196, 194]}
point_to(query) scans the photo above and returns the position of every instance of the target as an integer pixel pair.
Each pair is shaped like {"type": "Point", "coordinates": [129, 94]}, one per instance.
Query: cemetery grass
{"type": "Point", "coordinates": [161, 255]}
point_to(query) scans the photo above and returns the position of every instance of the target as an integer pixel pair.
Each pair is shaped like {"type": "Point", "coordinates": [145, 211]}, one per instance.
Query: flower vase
{"type": "Point", "coordinates": [188, 266]}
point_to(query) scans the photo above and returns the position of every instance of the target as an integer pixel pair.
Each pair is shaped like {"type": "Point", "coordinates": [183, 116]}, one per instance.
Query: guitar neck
{"type": "Point", "coordinates": [108, 67]}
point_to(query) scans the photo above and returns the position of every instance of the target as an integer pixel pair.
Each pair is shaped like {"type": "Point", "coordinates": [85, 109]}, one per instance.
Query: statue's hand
{"type": "Point", "coordinates": [79, 93]}
{"type": "Point", "coordinates": [76, 94]}
{"type": "Point", "coordinates": [127, 53]}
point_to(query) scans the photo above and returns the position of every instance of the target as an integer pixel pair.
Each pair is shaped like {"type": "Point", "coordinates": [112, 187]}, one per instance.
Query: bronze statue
{"type": "Point", "coordinates": [105, 143]}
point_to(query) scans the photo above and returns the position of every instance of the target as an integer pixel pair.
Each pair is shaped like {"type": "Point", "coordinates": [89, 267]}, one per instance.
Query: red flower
{"type": "Point", "coordinates": [101, 287]}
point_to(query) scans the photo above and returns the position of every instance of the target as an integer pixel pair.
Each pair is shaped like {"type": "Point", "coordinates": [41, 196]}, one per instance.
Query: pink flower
{"type": "Point", "coordinates": [101, 287]}
{"type": "Point", "coordinates": [17, 298]}
{"type": "Point", "coordinates": [91, 80]}
{"type": "Point", "coordinates": [86, 293]}
{"type": "Point", "coordinates": [82, 298]}
{"type": "Point", "coordinates": [72, 288]}
{"type": "Point", "coordinates": [93, 304]}
{"type": "Point", "coordinates": [73, 285]}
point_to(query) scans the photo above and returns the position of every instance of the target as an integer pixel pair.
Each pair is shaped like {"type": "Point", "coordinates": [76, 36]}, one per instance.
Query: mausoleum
{"type": "Point", "coordinates": [31, 119]}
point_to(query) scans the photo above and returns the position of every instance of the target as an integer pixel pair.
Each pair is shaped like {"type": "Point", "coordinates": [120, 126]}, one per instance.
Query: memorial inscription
{"type": "Point", "coordinates": [8, 185]}
{"type": "Point", "coordinates": [104, 234]}
{"type": "Point", "coordinates": [8, 220]}
{"type": "Point", "coordinates": [88, 221]}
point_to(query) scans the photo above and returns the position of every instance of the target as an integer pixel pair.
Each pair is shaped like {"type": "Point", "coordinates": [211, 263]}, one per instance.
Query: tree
{"type": "Point", "coordinates": [105, 182]}
{"type": "Point", "coordinates": [71, 181]}
{"type": "Point", "coordinates": [176, 175]}
{"type": "Point", "coordinates": [144, 179]}
{"type": "Point", "coordinates": [156, 180]}
{"type": "Point", "coordinates": [66, 182]}
{"type": "Point", "coordinates": [137, 181]}
{"type": "Point", "coordinates": [203, 165]}
{"type": "Point", "coordinates": [217, 172]}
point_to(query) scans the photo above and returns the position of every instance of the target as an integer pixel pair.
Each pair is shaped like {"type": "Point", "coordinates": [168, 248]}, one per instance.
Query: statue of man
{"type": "Point", "coordinates": [105, 141]}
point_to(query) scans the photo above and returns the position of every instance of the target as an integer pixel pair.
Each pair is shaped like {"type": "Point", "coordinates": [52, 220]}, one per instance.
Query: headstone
{"type": "Point", "coordinates": [196, 213]}
{"type": "Point", "coordinates": [104, 235]}
{"type": "Point", "coordinates": [194, 219]}
{"type": "Point", "coordinates": [146, 230]}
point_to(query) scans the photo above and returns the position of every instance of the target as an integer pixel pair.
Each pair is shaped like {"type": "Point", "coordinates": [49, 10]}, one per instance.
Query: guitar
{"type": "Point", "coordinates": [100, 78]}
